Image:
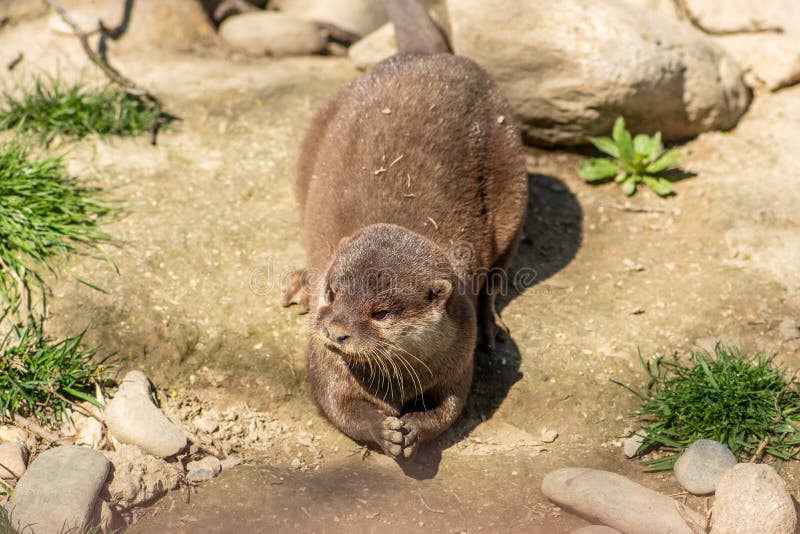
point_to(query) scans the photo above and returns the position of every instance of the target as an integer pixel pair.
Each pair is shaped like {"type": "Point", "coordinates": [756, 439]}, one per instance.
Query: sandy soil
{"type": "Point", "coordinates": [210, 224]}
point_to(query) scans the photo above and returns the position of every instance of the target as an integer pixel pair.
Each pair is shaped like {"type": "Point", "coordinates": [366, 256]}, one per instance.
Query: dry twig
{"type": "Point", "coordinates": [34, 427]}
{"type": "Point", "coordinates": [425, 504]}
{"type": "Point", "coordinates": [113, 74]}
{"type": "Point", "coordinates": [16, 61]}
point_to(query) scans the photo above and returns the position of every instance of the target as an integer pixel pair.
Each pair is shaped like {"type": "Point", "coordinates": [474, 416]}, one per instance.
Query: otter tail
{"type": "Point", "coordinates": [414, 30]}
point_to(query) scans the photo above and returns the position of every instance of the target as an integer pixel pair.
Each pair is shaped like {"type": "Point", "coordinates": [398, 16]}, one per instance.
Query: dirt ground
{"type": "Point", "coordinates": [210, 224]}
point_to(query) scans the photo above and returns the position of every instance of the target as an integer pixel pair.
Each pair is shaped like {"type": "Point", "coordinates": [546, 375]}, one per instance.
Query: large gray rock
{"type": "Point", "coordinates": [58, 491]}
{"type": "Point", "coordinates": [771, 59]}
{"type": "Point", "coordinates": [131, 417]}
{"type": "Point", "coordinates": [753, 498]}
{"type": "Point", "coordinates": [272, 34]}
{"type": "Point", "coordinates": [616, 501]}
{"type": "Point", "coordinates": [13, 460]}
{"type": "Point", "coordinates": [570, 67]}
{"type": "Point", "coordinates": [356, 16]}
{"type": "Point", "coordinates": [702, 464]}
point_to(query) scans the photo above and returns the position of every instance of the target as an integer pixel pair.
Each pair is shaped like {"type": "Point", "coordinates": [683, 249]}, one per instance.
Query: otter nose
{"type": "Point", "coordinates": [337, 333]}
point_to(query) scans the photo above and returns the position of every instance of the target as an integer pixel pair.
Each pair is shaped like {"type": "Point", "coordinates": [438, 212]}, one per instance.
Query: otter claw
{"type": "Point", "coordinates": [296, 291]}
{"type": "Point", "coordinates": [399, 438]}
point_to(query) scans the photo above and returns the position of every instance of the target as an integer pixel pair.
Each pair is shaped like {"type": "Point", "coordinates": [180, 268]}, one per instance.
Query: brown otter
{"type": "Point", "coordinates": [412, 188]}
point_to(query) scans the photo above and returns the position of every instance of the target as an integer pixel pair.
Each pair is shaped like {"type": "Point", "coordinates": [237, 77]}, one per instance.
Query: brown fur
{"type": "Point", "coordinates": [411, 186]}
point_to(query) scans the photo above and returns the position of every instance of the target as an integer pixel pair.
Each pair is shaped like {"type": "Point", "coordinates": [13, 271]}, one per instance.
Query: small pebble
{"type": "Point", "coordinates": [701, 466]}
{"type": "Point", "coordinates": [549, 436]}
{"type": "Point", "coordinates": [90, 430]}
{"type": "Point", "coordinates": [203, 469]}
{"type": "Point", "coordinates": [13, 460]}
{"type": "Point", "coordinates": [631, 444]}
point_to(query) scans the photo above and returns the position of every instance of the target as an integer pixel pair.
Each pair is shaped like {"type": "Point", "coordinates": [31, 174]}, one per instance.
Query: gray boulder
{"type": "Point", "coordinates": [131, 417]}
{"type": "Point", "coordinates": [570, 67]}
{"type": "Point", "coordinates": [58, 492]}
{"type": "Point", "coordinates": [770, 58]}
{"type": "Point", "coordinates": [616, 501]}
{"type": "Point", "coordinates": [272, 34]}
{"type": "Point", "coordinates": [753, 498]}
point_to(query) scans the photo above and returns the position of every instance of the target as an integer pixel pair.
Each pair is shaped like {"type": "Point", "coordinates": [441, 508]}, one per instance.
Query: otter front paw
{"type": "Point", "coordinates": [398, 438]}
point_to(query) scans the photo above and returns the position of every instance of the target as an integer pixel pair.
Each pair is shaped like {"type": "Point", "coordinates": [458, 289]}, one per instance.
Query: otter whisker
{"type": "Point", "coordinates": [398, 354]}
{"type": "Point", "coordinates": [386, 373]}
{"type": "Point", "coordinates": [404, 351]}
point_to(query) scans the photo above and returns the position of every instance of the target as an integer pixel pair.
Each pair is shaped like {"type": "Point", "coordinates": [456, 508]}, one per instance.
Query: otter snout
{"type": "Point", "coordinates": [336, 332]}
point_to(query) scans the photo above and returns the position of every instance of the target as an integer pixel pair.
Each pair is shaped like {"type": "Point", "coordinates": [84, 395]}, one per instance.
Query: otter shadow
{"type": "Point", "coordinates": [552, 237]}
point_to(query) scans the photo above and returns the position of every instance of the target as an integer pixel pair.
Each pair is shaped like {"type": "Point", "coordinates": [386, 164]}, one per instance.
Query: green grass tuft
{"type": "Point", "coordinates": [44, 378]}
{"type": "Point", "coordinates": [746, 403]}
{"type": "Point", "coordinates": [53, 108]}
{"type": "Point", "coordinates": [45, 216]}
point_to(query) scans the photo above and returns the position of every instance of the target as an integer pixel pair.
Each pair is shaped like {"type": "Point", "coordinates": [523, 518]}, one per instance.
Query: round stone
{"type": "Point", "coordinates": [701, 466]}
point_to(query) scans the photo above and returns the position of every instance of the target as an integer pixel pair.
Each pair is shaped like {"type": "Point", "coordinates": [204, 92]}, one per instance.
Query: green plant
{"type": "Point", "coordinates": [748, 404]}
{"type": "Point", "coordinates": [51, 107]}
{"type": "Point", "coordinates": [45, 216]}
{"type": "Point", "coordinates": [633, 160]}
{"type": "Point", "coordinates": [44, 378]}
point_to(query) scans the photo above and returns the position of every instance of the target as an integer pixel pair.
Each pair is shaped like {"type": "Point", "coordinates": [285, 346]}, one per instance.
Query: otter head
{"type": "Point", "coordinates": [385, 292]}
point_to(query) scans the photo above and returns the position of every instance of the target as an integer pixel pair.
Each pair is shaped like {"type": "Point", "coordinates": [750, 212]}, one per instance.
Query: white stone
{"type": "Point", "coordinates": [631, 444]}
{"type": "Point", "coordinates": [570, 67]}
{"type": "Point", "coordinates": [356, 16]}
{"type": "Point", "coordinates": [89, 430]}
{"type": "Point", "coordinates": [132, 418]}
{"type": "Point", "coordinates": [272, 34]}
{"type": "Point", "coordinates": [753, 498]}
{"type": "Point", "coordinates": [616, 501]}
{"type": "Point", "coordinates": [373, 48]}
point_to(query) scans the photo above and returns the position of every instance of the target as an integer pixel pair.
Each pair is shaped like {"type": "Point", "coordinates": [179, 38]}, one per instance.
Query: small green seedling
{"type": "Point", "coordinates": [635, 160]}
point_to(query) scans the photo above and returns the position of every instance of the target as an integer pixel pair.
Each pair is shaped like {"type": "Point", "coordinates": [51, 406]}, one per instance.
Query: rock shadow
{"type": "Point", "coordinates": [553, 233]}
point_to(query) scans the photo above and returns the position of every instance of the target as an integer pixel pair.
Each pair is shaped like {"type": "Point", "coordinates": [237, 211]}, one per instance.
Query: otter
{"type": "Point", "coordinates": [412, 191]}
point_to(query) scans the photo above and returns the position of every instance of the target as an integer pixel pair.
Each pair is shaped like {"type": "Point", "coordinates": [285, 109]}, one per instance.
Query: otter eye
{"type": "Point", "coordinates": [329, 294]}
{"type": "Point", "coordinates": [380, 315]}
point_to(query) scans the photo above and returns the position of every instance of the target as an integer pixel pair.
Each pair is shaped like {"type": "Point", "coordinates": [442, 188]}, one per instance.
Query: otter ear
{"type": "Point", "coordinates": [440, 291]}
{"type": "Point", "coordinates": [343, 241]}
